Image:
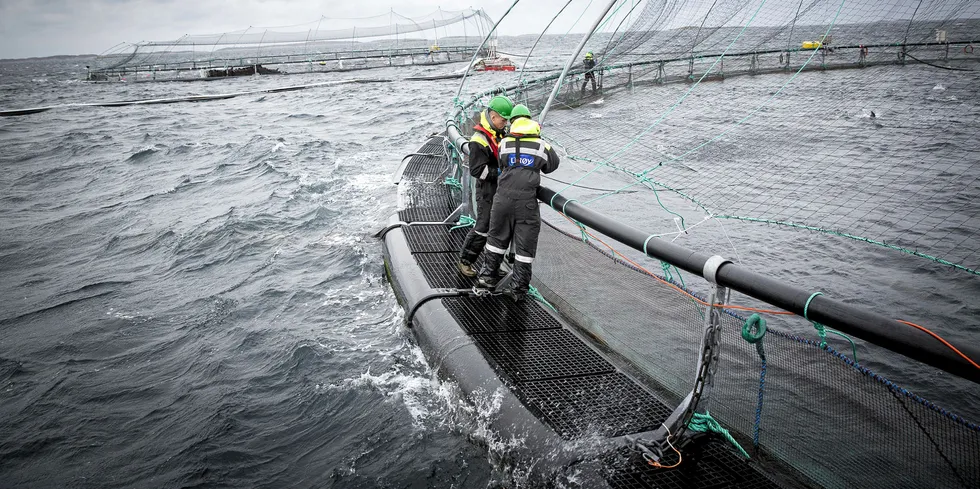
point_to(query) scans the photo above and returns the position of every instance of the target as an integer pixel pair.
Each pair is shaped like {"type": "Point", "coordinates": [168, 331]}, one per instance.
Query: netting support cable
{"type": "Point", "coordinates": [493, 29]}
{"type": "Point", "coordinates": [543, 31]}
{"type": "Point", "coordinates": [571, 61]}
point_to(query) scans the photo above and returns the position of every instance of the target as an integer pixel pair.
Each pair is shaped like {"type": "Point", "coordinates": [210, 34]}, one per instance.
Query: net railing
{"type": "Point", "coordinates": [323, 45]}
{"type": "Point", "coordinates": [825, 144]}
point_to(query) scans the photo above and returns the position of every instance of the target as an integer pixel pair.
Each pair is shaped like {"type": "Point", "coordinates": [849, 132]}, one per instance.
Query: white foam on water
{"type": "Point", "coordinates": [424, 397]}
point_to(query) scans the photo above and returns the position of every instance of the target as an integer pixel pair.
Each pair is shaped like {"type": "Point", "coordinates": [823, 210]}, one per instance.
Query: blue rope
{"type": "Point", "coordinates": [758, 409]}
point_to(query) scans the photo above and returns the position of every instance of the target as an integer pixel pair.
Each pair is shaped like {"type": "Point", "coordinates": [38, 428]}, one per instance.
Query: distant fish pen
{"type": "Point", "coordinates": [325, 45]}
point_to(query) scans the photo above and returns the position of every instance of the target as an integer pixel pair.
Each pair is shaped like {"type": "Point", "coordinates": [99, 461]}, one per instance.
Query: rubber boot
{"type": "Point", "coordinates": [490, 274]}
{"type": "Point", "coordinates": [521, 281]}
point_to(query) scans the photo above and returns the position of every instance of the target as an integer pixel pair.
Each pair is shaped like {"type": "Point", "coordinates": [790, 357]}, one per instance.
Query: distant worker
{"type": "Point", "coordinates": [589, 73]}
{"type": "Point", "coordinates": [484, 152]}
{"type": "Point", "coordinates": [515, 215]}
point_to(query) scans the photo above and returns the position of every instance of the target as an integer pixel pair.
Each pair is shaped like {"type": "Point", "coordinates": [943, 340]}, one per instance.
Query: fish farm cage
{"type": "Point", "coordinates": [755, 200]}
{"type": "Point", "coordinates": [319, 46]}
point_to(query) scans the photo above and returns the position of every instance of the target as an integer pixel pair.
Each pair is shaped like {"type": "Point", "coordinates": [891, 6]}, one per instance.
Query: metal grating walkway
{"type": "Point", "coordinates": [435, 239]}
{"type": "Point", "coordinates": [418, 193]}
{"type": "Point", "coordinates": [709, 464]}
{"type": "Point", "coordinates": [559, 378]}
{"type": "Point", "coordinates": [497, 315]}
{"type": "Point", "coordinates": [440, 270]}
{"type": "Point", "coordinates": [424, 214]}
{"type": "Point", "coordinates": [539, 354]}
{"type": "Point", "coordinates": [609, 404]}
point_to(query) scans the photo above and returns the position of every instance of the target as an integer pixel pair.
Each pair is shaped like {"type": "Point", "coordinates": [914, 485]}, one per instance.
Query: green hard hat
{"type": "Point", "coordinates": [520, 110]}
{"type": "Point", "coordinates": [501, 105]}
{"type": "Point", "coordinates": [588, 54]}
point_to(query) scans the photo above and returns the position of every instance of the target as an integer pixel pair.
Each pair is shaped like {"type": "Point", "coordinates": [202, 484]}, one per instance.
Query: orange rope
{"type": "Point", "coordinates": [941, 340]}
{"type": "Point", "coordinates": [753, 309]}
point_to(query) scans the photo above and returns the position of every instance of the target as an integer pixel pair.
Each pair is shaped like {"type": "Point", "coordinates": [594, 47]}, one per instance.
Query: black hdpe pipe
{"type": "Point", "coordinates": [874, 328]}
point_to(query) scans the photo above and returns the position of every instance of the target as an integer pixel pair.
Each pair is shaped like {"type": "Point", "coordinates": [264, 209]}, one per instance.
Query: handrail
{"type": "Point", "coordinates": [872, 327]}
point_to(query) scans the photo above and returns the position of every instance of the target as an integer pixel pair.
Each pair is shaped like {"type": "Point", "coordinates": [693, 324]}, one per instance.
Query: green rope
{"type": "Point", "coordinates": [465, 221]}
{"type": "Point", "coordinates": [704, 422]}
{"type": "Point", "coordinates": [680, 277]}
{"type": "Point", "coordinates": [822, 330]}
{"type": "Point", "coordinates": [531, 291]}
{"type": "Point", "coordinates": [581, 230]}
{"type": "Point", "coordinates": [759, 324]}
{"type": "Point", "coordinates": [453, 182]}
{"type": "Point", "coordinates": [665, 266]}
{"type": "Point", "coordinates": [854, 350]}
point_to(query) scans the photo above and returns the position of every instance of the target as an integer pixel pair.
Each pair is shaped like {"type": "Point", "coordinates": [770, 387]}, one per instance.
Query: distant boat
{"type": "Point", "coordinates": [494, 64]}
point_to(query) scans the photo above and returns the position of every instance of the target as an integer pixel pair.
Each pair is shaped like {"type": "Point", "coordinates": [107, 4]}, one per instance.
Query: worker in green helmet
{"type": "Point", "coordinates": [515, 216]}
{"type": "Point", "coordinates": [483, 154]}
{"type": "Point", "coordinates": [589, 64]}
{"type": "Point", "coordinates": [519, 111]}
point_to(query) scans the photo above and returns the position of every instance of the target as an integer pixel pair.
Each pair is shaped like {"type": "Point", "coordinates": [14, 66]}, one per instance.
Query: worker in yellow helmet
{"type": "Point", "coordinates": [484, 151]}
{"type": "Point", "coordinates": [589, 64]}
{"type": "Point", "coordinates": [515, 215]}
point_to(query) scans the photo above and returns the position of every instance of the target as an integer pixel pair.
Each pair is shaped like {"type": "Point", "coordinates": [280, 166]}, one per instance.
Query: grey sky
{"type": "Point", "coordinates": [48, 27]}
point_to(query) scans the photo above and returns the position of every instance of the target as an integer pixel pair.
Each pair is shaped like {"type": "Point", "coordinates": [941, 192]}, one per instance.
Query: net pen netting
{"type": "Point", "coordinates": [828, 144]}
{"type": "Point", "coordinates": [324, 44]}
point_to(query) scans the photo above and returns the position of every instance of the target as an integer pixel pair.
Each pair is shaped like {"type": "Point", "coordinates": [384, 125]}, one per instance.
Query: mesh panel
{"type": "Point", "coordinates": [837, 424]}
{"type": "Point", "coordinates": [710, 464]}
{"type": "Point", "coordinates": [859, 424]}
{"type": "Point", "coordinates": [636, 316]}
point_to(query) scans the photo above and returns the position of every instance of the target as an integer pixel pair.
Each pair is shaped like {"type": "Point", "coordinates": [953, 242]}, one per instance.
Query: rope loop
{"type": "Point", "coordinates": [465, 221]}
{"type": "Point", "coordinates": [756, 322]}
{"type": "Point", "coordinates": [821, 330]}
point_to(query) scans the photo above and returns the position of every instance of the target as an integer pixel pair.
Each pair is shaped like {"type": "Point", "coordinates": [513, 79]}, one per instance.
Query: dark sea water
{"type": "Point", "coordinates": [191, 294]}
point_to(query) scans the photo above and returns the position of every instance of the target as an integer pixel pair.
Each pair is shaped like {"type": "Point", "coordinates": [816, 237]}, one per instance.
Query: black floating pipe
{"type": "Point", "coordinates": [874, 328]}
